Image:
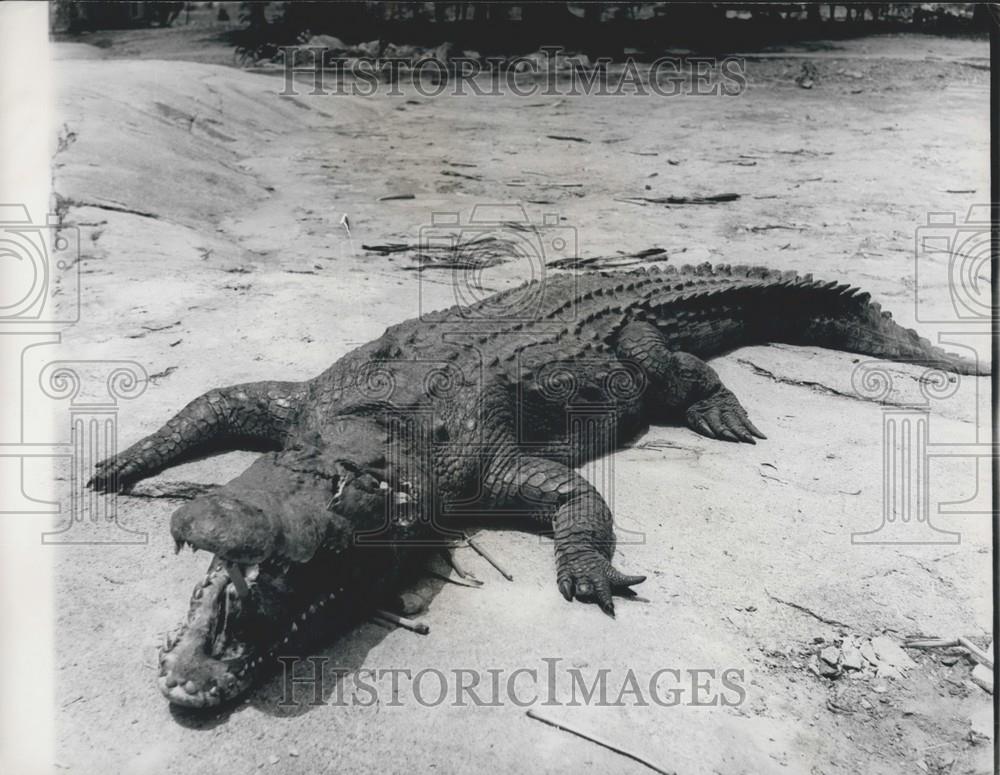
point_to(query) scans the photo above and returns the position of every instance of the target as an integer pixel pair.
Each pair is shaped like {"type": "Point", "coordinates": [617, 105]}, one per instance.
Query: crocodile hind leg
{"type": "Point", "coordinates": [581, 523]}
{"type": "Point", "coordinates": [254, 415]}
{"type": "Point", "coordinates": [684, 385]}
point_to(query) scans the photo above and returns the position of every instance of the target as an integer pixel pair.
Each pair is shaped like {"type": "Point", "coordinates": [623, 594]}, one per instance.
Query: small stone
{"type": "Point", "coordinates": [851, 658]}
{"type": "Point", "coordinates": [293, 751]}
{"type": "Point", "coordinates": [828, 671]}
{"type": "Point", "coordinates": [949, 660]}
{"type": "Point", "coordinates": [865, 704]}
{"type": "Point", "coordinates": [273, 759]}
{"type": "Point", "coordinates": [880, 688]}
{"type": "Point", "coordinates": [819, 639]}
{"type": "Point", "coordinates": [830, 655]}
{"type": "Point", "coordinates": [981, 723]}
{"type": "Point", "coordinates": [868, 652]}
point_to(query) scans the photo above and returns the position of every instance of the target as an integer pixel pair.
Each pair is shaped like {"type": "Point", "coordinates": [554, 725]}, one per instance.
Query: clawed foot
{"type": "Point", "coordinates": [114, 474]}
{"type": "Point", "coordinates": [590, 577]}
{"type": "Point", "coordinates": [721, 416]}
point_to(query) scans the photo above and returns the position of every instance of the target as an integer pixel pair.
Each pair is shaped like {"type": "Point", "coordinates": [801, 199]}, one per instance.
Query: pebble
{"type": "Point", "coordinates": [851, 659]}
{"type": "Point", "coordinates": [830, 655]}
{"type": "Point", "coordinates": [949, 660]}
{"type": "Point", "coordinates": [273, 759]}
{"type": "Point", "coordinates": [880, 688]}
{"type": "Point", "coordinates": [828, 670]}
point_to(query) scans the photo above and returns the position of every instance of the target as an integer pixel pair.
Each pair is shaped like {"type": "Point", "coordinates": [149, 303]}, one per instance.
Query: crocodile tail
{"type": "Point", "coordinates": [861, 326]}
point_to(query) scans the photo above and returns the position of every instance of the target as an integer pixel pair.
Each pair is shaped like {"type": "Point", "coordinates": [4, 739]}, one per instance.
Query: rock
{"type": "Point", "coordinates": [865, 703]}
{"type": "Point", "coordinates": [827, 670]}
{"type": "Point", "coordinates": [981, 723]}
{"type": "Point", "coordinates": [369, 49]}
{"type": "Point", "coordinates": [880, 688]}
{"type": "Point", "coordinates": [851, 658]}
{"type": "Point", "coordinates": [329, 42]}
{"type": "Point", "coordinates": [868, 652]}
{"type": "Point", "coordinates": [890, 653]}
{"type": "Point", "coordinates": [830, 655]}
{"type": "Point", "coordinates": [949, 659]}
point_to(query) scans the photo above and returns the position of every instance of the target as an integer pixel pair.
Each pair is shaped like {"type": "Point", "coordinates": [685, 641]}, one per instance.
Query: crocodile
{"type": "Point", "coordinates": [486, 408]}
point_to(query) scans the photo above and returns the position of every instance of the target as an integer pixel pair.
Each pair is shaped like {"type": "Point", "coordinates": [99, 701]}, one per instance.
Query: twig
{"type": "Point", "coordinates": [942, 643]}
{"type": "Point", "coordinates": [488, 557]}
{"type": "Point", "coordinates": [472, 584]}
{"type": "Point", "coordinates": [401, 621]}
{"type": "Point", "coordinates": [391, 197]}
{"type": "Point", "coordinates": [532, 713]}
{"type": "Point", "coordinates": [449, 555]}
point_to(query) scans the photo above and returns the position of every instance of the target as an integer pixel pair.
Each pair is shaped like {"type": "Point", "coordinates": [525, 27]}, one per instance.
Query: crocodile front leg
{"type": "Point", "coordinates": [257, 414]}
{"type": "Point", "coordinates": [581, 522]}
{"type": "Point", "coordinates": [684, 385]}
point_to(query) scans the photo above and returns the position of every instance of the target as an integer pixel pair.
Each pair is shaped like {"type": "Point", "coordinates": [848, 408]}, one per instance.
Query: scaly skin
{"type": "Point", "coordinates": [486, 407]}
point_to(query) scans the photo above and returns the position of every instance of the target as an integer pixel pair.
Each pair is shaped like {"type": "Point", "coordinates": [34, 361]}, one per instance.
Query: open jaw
{"type": "Point", "coordinates": [237, 620]}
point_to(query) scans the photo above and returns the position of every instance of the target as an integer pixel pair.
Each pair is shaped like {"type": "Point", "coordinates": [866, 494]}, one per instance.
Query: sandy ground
{"type": "Point", "coordinates": [209, 211]}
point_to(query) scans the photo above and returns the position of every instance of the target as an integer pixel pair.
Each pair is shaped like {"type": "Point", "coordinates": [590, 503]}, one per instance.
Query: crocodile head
{"type": "Point", "coordinates": [288, 566]}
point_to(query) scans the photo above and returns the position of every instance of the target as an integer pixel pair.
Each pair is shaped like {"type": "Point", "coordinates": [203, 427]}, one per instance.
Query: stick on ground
{"type": "Point", "coordinates": [449, 555]}
{"type": "Point", "coordinates": [532, 713]}
{"type": "Point", "coordinates": [401, 621]}
{"type": "Point", "coordinates": [489, 558]}
{"type": "Point", "coordinates": [472, 584]}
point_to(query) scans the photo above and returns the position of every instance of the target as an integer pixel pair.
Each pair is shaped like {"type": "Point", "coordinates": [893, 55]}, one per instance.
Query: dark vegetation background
{"type": "Point", "coordinates": [598, 29]}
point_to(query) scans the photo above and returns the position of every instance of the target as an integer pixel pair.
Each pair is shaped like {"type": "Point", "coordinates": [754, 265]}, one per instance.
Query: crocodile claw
{"type": "Point", "coordinates": [113, 474]}
{"type": "Point", "coordinates": [589, 577]}
{"type": "Point", "coordinates": [721, 416]}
